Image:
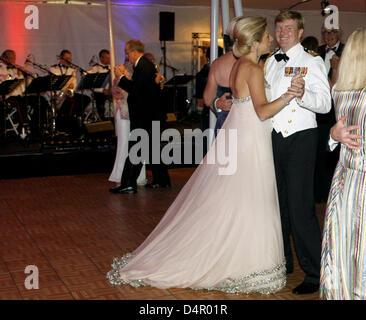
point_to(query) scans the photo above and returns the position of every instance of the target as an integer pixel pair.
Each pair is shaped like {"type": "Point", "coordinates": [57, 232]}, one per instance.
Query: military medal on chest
{"type": "Point", "coordinates": [291, 71]}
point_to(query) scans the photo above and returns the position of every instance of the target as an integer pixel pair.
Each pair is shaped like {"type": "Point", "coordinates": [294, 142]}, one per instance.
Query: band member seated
{"type": "Point", "coordinates": [101, 95]}
{"type": "Point", "coordinates": [8, 71]}
{"type": "Point", "coordinates": [70, 104]}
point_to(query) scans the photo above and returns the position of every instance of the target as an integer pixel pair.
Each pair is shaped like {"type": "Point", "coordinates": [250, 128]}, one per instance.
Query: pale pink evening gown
{"type": "Point", "coordinates": [222, 232]}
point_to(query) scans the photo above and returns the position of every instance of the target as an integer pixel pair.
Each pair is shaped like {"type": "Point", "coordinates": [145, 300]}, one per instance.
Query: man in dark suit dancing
{"type": "Point", "coordinates": [143, 107]}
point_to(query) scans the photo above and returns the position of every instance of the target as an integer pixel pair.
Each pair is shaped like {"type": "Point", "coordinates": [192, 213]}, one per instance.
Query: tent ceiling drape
{"type": "Point", "coordinates": [84, 28]}
{"type": "Point", "coordinates": [349, 5]}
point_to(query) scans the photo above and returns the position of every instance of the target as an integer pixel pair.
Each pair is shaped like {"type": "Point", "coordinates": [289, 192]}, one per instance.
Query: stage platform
{"type": "Point", "coordinates": [92, 151]}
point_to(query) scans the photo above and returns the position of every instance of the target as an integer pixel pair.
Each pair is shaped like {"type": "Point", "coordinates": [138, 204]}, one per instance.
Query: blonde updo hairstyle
{"type": "Point", "coordinates": [245, 32]}
{"type": "Point", "coordinates": [231, 26]}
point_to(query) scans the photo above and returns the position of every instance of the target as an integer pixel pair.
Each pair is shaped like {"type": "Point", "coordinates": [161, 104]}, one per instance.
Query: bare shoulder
{"type": "Point", "coordinates": [227, 58]}
{"type": "Point", "coordinates": [249, 67]}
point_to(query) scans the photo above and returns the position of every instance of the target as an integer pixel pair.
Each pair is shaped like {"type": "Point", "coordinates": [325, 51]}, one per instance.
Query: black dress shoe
{"type": "Point", "coordinates": [306, 288]}
{"type": "Point", "coordinates": [157, 185]}
{"type": "Point", "coordinates": [123, 190]}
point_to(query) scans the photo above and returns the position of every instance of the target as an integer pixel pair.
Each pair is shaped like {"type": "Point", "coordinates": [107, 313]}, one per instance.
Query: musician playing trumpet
{"type": "Point", "coordinates": [72, 104]}
{"type": "Point", "coordinates": [64, 68]}
{"type": "Point", "coordinates": [10, 71]}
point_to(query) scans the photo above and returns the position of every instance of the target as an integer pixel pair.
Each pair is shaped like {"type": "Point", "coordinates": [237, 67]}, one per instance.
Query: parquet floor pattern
{"type": "Point", "coordinates": [71, 227]}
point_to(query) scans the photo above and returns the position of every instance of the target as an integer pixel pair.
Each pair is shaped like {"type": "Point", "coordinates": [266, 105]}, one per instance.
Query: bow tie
{"type": "Point", "coordinates": [105, 67]}
{"type": "Point", "coordinates": [281, 56]}
{"type": "Point", "coordinates": [10, 67]}
{"type": "Point", "coordinates": [333, 49]}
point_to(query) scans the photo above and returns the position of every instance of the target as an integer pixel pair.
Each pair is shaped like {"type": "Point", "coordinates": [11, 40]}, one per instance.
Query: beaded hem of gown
{"type": "Point", "coordinates": [223, 231]}
{"type": "Point", "coordinates": [264, 281]}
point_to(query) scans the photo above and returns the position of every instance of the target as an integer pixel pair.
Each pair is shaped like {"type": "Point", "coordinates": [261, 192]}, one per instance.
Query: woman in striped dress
{"type": "Point", "coordinates": [343, 264]}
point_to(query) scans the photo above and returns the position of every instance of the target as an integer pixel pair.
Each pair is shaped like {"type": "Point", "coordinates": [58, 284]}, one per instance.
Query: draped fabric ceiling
{"type": "Point", "coordinates": [83, 29]}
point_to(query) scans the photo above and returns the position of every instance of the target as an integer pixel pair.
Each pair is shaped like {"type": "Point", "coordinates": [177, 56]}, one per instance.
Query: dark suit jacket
{"type": "Point", "coordinates": [328, 119]}
{"type": "Point", "coordinates": [142, 94]}
{"type": "Point", "coordinates": [322, 53]}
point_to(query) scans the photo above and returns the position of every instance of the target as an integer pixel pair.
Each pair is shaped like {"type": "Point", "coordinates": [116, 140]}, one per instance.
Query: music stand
{"type": "Point", "coordinates": [179, 80]}
{"type": "Point", "coordinates": [50, 83]}
{"type": "Point", "coordinates": [93, 81]}
{"type": "Point", "coordinates": [47, 83]}
{"type": "Point", "coordinates": [176, 82]}
{"type": "Point", "coordinates": [6, 87]}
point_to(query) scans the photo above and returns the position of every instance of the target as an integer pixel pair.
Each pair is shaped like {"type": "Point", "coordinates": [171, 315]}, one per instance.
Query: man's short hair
{"type": "Point", "coordinates": [220, 52]}
{"type": "Point", "coordinates": [7, 52]}
{"type": "Point", "coordinates": [136, 45]}
{"type": "Point", "coordinates": [102, 52]}
{"type": "Point", "coordinates": [63, 52]}
{"type": "Point", "coordinates": [291, 15]}
{"type": "Point", "coordinates": [336, 31]}
{"type": "Point", "coordinates": [149, 56]}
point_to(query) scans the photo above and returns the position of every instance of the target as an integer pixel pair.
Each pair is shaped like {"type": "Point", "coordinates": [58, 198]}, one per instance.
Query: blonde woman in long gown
{"type": "Point", "coordinates": [122, 129]}
{"type": "Point", "coordinates": [223, 232]}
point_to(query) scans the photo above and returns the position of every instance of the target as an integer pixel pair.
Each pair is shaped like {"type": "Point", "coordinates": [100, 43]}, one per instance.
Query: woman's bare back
{"type": "Point", "coordinates": [238, 77]}
{"type": "Point", "coordinates": [222, 67]}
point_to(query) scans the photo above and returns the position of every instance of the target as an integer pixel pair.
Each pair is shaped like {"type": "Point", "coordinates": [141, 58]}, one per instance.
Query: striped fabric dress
{"type": "Point", "coordinates": [343, 264]}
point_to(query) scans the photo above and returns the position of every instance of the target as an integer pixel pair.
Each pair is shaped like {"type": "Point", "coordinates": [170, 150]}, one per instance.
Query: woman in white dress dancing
{"type": "Point", "coordinates": [223, 232]}
{"type": "Point", "coordinates": [122, 128]}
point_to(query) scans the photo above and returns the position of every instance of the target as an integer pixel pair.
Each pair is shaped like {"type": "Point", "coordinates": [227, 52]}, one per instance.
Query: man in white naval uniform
{"type": "Point", "coordinates": [14, 98]}
{"type": "Point", "coordinates": [294, 140]}
{"type": "Point", "coordinates": [102, 94]}
{"type": "Point", "coordinates": [74, 106]}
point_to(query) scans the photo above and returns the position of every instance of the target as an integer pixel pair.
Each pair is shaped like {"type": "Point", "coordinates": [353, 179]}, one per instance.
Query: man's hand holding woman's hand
{"type": "Point", "coordinates": [297, 88]}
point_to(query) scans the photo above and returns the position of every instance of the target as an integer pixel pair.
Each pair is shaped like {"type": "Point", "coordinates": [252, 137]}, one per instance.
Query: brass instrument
{"type": "Point", "coordinates": [66, 92]}
{"type": "Point", "coordinates": [21, 70]}
{"type": "Point", "coordinates": [159, 79]}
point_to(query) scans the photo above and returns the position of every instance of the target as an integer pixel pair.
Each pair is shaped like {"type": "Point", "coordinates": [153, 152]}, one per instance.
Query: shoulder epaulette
{"type": "Point", "coordinates": [312, 52]}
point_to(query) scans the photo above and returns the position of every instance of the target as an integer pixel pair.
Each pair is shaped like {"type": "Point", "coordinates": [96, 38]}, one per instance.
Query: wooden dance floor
{"type": "Point", "coordinates": [71, 227]}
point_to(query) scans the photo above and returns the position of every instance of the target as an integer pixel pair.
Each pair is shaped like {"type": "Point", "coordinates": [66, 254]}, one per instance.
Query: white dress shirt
{"type": "Point", "coordinates": [329, 56]}
{"type": "Point", "coordinates": [332, 143]}
{"type": "Point", "coordinates": [11, 74]}
{"type": "Point", "coordinates": [137, 61]}
{"type": "Point", "coordinates": [300, 113]}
